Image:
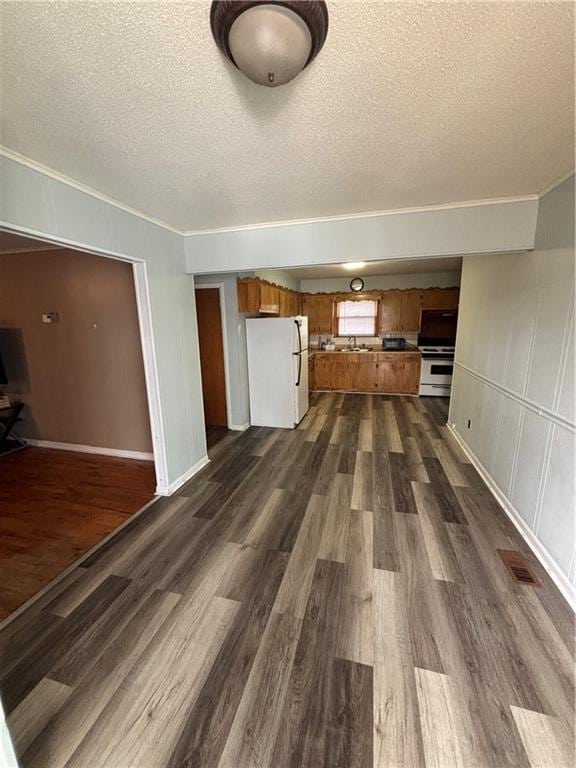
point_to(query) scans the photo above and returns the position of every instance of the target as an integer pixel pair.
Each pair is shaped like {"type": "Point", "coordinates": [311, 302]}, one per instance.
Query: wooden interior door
{"type": "Point", "coordinates": [211, 356]}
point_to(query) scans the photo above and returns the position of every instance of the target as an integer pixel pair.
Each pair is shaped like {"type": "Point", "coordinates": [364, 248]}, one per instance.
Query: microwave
{"type": "Point", "coordinates": [393, 343]}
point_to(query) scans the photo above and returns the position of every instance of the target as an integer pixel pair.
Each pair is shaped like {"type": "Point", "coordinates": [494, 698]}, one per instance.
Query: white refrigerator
{"type": "Point", "coordinates": [277, 370]}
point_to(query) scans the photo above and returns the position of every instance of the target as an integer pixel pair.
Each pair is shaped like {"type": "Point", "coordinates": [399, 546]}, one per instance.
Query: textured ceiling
{"type": "Point", "coordinates": [408, 104]}
{"type": "Point", "coordinates": [390, 267]}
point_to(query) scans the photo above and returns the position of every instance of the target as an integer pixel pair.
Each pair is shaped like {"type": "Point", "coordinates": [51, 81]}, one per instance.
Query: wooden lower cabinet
{"type": "Point", "coordinates": [324, 370]}
{"type": "Point", "coordinates": [311, 373]}
{"type": "Point", "coordinates": [397, 373]}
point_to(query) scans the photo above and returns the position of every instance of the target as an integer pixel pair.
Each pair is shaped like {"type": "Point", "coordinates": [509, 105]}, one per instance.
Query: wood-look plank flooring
{"type": "Point", "coordinates": [214, 435]}
{"type": "Point", "coordinates": [326, 596]}
{"type": "Point", "coordinates": [54, 507]}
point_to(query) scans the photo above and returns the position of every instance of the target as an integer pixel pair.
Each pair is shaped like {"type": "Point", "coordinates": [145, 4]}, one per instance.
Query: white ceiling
{"type": "Point", "coordinates": [408, 104]}
{"type": "Point", "coordinates": [390, 267]}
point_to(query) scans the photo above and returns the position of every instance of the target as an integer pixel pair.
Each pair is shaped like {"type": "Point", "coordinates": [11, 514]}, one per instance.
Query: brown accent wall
{"type": "Point", "coordinates": [85, 379]}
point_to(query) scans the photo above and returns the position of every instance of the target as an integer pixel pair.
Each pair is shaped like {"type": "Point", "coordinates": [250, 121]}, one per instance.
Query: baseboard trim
{"type": "Point", "coordinates": [168, 490]}
{"type": "Point", "coordinates": [239, 427]}
{"type": "Point", "coordinates": [540, 552]}
{"type": "Point", "coordinates": [141, 455]}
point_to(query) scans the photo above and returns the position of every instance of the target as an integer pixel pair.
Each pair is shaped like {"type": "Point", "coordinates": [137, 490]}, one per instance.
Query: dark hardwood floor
{"type": "Point", "coordinates": [54, 507]}
{"type": "Point", "coordinates": [326, 596]}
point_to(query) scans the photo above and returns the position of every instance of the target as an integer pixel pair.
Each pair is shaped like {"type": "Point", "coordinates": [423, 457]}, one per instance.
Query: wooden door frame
{"type": "Point", "coordinates": [222, 299]}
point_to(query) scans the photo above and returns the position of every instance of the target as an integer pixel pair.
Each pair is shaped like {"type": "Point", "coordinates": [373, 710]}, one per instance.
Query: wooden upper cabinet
{"type": "Point", "coordinates": [296, 303]}
{"type": "Point", "coordinates": [410, 304]}
{"type": "Point", "coordinates": [400, 310]}
{"type": "Point", "coordinates": [289, 302]}
{"type": "Point", "coordinates": [269, 299]}
{"type": "Point", "coordinates": [319, 309]}
{"type": "Point", "coordinates": [248, 290]}
{"type": "Point", "coordinates": [390, 307]}
{"type": "Point", "coordinates": [256, 296]}
{"type": "Point", "coordinates": [440, 298]}
{"type": "Point", "coordinates": [285, 302]}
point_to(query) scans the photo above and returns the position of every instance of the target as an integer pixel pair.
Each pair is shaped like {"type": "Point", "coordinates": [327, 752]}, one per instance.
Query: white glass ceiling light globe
{"type": "Point", "coordinates": [270, 44]}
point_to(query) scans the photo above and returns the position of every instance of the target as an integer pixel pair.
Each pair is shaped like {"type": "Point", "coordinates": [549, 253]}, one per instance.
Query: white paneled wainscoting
{"type": "Point", "coordinates": [526, 457]}
{"type": "Point", "coordinates": [513, 390]}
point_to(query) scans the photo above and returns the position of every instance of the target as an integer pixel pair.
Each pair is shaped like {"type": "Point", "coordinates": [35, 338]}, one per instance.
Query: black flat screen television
{"type": "Point", "coordinates": [14, 376]}
{"type": "Point", "coordinates": [3, 377]}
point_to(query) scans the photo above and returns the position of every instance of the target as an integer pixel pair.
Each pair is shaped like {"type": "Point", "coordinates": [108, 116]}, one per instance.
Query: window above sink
{"type": "Point", "coordinates": [357, 318]}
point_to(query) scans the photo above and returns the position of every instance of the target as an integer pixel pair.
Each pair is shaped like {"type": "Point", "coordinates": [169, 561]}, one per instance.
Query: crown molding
{"type": "Point", "coordinates": [23, 160]}
{"type": "Point", "coordinates": [366, 215]}
{"type": "Point", "coordinates": [18, 158]}
{"type": "Point", "coordinates": [556, 183]}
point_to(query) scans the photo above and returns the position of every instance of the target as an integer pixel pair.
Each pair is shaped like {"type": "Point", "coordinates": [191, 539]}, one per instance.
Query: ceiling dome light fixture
{"type": "Point", "coordinates": [270, 41]}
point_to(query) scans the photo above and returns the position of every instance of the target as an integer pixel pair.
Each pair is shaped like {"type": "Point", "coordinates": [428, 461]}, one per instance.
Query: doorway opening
{"type": "Point", "coordinates": [213, 363]}
{"type": "Point", "coordinates": [78, 461]}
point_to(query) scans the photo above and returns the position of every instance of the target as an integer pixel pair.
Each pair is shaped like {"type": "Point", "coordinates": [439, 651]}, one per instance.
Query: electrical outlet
{"type": "Point", "coordinates": [51, 317]}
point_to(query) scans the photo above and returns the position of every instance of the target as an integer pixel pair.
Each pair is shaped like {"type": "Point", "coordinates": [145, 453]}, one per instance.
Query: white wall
{"type": "Point", "coordinates": [237, 379]}
{"type": "Point", "coordinates": [33, 202]}
{"type": "Point", "coordinates": [514, 379]}
{"type": "Point", "coordinates": [280, 277]}
{"type": "Point", "coordinates": [383, 282]}
{"type": "Point", "coordinates": [490, 227]}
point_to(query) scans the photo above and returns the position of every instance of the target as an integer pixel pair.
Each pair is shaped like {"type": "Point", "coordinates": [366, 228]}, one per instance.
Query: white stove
{"type": "Point", "coordinates": [436, 370]}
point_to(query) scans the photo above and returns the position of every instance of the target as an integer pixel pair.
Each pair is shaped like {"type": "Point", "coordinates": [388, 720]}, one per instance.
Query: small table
{"type": "Point", "coordinates": [9, 417]}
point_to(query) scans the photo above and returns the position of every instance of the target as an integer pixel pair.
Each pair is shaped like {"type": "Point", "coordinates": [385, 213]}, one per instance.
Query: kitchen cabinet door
{"type": "Point", "coordinates": [285, 302]}
{"type": "Point", "coordinates": [325, 314]}
{"type": "Point", "coordinates": [440, 298]}
{"type": "Point", "coordinates": [365, 378]}
{"type": "Point", "coordinates": [323, 373]}
{"type": "Point", "coordinates": [295, 303]}
{"type": "Point", "coordinates": [344, 374]}
{"type": "Point", "coordinates": [248, 292]}
{"type": "Point", "coordinates": [311, 373]}
{"type": "Point", "coordinates": [410, 303]}
{"type": "Point", "coordinates": [319, 311]}
{"type": "Point", "coordinates": [451, 298]}
{"type": "Point", "coordinates": [269, 299]}
{"type": "Point", "coordinates": [407, 378]}
{"type": "Point", "coordinates": [390, 311]}
{"type": "Point", "coordinates": [308, 307]}
{"type": "Point", "coordinates": [384, 377]}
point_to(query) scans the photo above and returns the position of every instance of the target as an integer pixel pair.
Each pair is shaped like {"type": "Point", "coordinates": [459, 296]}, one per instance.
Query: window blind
{"type": "Point", "coordinates": [357, 318]}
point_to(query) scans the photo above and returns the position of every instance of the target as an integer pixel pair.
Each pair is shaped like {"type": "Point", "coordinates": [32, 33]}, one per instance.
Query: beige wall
{"type": "Point", "coordinates": [383, 282]}
{"type": "Point", "coordinates": [85, 374]}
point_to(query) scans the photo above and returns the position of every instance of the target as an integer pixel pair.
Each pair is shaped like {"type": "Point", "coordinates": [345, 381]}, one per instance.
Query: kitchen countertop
{"type": "Point", "coordinates": [408, 349]}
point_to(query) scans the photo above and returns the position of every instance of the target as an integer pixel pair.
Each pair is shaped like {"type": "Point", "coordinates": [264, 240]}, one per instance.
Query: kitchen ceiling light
{"type": "Point", "coordinates": [354, 265]}
{"type": "Point", "coordinates": [270, 42]}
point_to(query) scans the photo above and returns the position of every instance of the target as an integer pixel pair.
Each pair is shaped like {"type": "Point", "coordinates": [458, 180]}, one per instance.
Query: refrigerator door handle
{"type": "Point", "coordinates": [299, 353]}
{"type": "Point", "coordinates": [299, 356]}
{"type": "Point", "coordinates": [299, 338]}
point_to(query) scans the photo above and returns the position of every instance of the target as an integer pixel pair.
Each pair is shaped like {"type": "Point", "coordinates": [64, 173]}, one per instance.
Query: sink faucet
{"type": "Point", "coordinates": [352, 338]}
